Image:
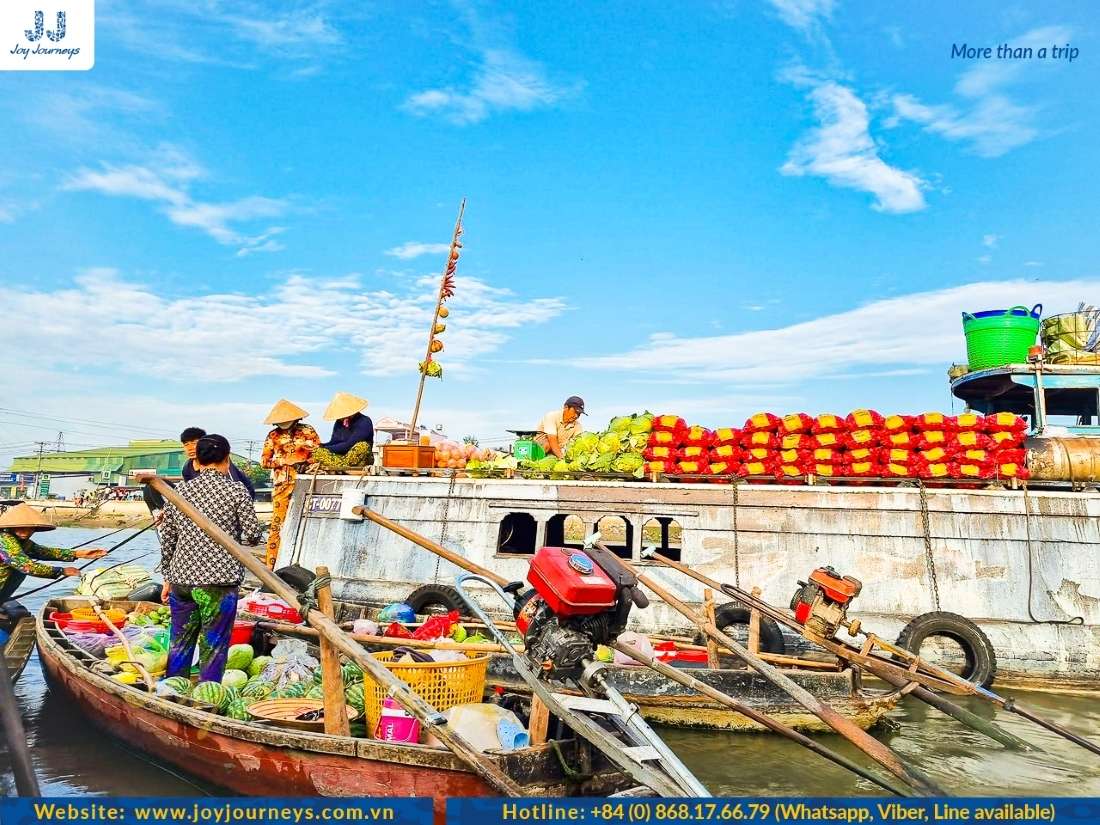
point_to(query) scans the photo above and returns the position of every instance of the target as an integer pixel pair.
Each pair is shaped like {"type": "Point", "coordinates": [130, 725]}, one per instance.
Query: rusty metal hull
{"type": "Point", "coordinates": [1004, 558]}
{"type": "Point", "coordinates": [255, 760]}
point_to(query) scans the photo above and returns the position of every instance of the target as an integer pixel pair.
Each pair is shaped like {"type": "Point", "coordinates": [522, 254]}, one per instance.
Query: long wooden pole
{"type": "Point", "coordinates": [845, 727]}
{"type": "Point", "coordinates": [435, 318]}
{"type": "Point", "coordinates": [406, 697]}
{"type": "Point", "coordinates": [332, 681]}
{"type": "Point", "coordinates": [26, 783]}
{"type": "Point", "coordinates": [690, 682]}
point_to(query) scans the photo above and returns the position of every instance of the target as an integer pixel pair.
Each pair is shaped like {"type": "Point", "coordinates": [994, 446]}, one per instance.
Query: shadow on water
{"type": "Point", "coordinates": [72, 757]}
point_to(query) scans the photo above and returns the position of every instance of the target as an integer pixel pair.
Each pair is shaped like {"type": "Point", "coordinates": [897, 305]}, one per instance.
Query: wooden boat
{"type": "Point", "coordinates": [253, 759]}
{"type": "Point", "coordinates": [19, 646]}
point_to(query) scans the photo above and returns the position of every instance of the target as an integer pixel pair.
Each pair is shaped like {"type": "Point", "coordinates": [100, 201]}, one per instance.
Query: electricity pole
{"type": "Point", "coordinates": [38, 475]}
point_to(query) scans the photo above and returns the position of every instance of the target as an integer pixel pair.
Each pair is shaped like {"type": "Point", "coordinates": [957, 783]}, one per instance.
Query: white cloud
{"type": "Point", "coordinates": [990, 121]}
{"type": "Point", "coordinates": [290, 331]}
{"type": "Point", "coordinates": [414, 249]}
{"type": "Point", "coordinates": [842, 152]}
{"type": "Point", "coordinates": [503, 81]}
{"type": "Point", "coordinates": [166, 181]}
{"type": "Point", "coordinates": [803, 14]}
{"type": "Point", "coordinates": [916, 330]}
{"type": "Point", "coordinates": [1033, 264]}
{"type": "Point", "coordinates": [984, 259]}
{"type": "Point", "coordinates": [990, 241]}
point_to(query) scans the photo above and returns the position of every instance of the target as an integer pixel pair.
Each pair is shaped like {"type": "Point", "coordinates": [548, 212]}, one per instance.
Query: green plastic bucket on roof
{"type": "Point", "coordinates": [997, 337]}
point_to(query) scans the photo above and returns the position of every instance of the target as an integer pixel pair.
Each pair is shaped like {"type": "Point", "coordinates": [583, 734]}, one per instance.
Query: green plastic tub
{"type": "Point", "coordinates": [998, 337]}
{"type": "Point", "coordinates": [528, 450]}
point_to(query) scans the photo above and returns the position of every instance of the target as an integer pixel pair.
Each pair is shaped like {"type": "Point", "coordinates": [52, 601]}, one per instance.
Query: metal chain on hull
{"type": "Point", "coordinates": [929, 558]}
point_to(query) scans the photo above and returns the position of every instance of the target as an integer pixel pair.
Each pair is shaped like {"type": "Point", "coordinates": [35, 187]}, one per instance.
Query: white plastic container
{"type": "Point", "coordinates": [479, 725]}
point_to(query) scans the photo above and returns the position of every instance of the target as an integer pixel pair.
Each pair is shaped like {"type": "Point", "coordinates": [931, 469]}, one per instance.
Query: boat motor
{"type": "Point", "coordinates": [821, 604]}
{"type": "Point", "coordinates": [579, 599]}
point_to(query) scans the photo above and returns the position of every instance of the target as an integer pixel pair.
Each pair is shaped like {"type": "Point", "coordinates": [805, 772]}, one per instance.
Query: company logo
{"type": "Point", "coordinates": [45, 38]}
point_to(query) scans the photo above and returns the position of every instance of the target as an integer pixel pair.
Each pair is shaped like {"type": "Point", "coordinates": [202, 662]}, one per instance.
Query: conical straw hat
{"type": "Point", "coordinates": [344, 404]}
{"type": "Point", "coordinates": [285, 411]}
{"type": "Point", "coordinates": [23, 515]}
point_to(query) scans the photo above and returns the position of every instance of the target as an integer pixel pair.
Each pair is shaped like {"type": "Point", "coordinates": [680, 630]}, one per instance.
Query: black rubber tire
{"type": "Point", "coordinates": [771, 637]}
{"type": "Point", "coordinates": [436, 598]}
{"type": "Point", "coordinates": [296, 576]}
{"type": "Point", "coordinates": [981, 661]}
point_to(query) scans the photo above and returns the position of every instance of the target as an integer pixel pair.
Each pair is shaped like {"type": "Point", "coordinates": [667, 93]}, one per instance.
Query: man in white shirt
{"type": "Point", "coordinates": [557, 427]}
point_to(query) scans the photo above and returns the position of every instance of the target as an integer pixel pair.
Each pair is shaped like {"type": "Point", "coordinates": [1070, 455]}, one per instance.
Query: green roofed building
{"type": "Point", "coordinates": [102, 466]}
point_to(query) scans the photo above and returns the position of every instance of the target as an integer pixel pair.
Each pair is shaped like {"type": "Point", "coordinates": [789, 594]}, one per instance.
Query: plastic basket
{"type": "Point", "coordinates": [65, 621]}
{"type": "Point", "coordinates": [527, 450]}
{"type": "Point", "coordinates": [1000, 336]}
{"type": "Point", "coordinates": [441, 684]}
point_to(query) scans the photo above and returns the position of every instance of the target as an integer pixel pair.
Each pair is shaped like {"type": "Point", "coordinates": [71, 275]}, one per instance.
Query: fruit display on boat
{"type": "Point", "coordinates": [212, 693]}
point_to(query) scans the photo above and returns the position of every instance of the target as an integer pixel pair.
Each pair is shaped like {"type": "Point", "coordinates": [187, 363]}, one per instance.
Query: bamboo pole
{"type": "Point", "coordinates": [428, 716]}
{"type": "Point", "coordinates": [773, 725]}
{"type": "Point", "coordinates": [435, 318]}
{"type": "Point", "coordinates": [708, 611]}
{"type": "Point", "coordinates": [125, 644]}
{"type": "Point", "coordinates": [387, 641]}
{"type": "Point", "coordinates": [845, 727]}
{"type": "Point", "coordinates": [332, 679]}
{"type": "Point", "coordinates": [754, 625]}
{"type": "Point", "coordinates": [26, 783]}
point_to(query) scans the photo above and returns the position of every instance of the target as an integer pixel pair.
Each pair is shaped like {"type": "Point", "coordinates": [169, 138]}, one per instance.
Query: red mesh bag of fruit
{"type": "Point", "coordinates": [933, 421]}
{"type": "Point", "coordinates": [863, 454]}
{"type": "Point", "coordinates": [935, 469]}
{"type": "Point", "coordinates": [669, 424]}
{"type": "Point", "coordinates": [796, 441]}
{"type": "Point", "coordinates": [662, 467]}
{"type": "Point", "coordinates": [827, 470]}
{"type": "Point", "coordinates": [758, 454]}
{"type": "Point", "coordinates": [970, 421]}
{"type": "Point", "coordinates": [972, 440]}
{"type": "Point", "coordinates": [697, 466]}
{"type": "Point", "coordinates": [1010, 456]}
{"type": "Point", "coordinates": [725, 468]}
{"type": "Point", "coordinates": [828, 440]}
{"type": "Point", "coordinates": [794, 456]}
{"type": "Point", "coordinates": [763, 421]}
{"type": "Point", "coordinates": [694, 453]}
{"type": "Point", "coordinates": [726, 435]}
{"type": "Point", "coordinates": [1012, 470]}
{"type": "Point", "coordinates": [865, 469]}
{"type": "Point", "coordinates": [665, 438]}
{"type": "Point", "coordinates": [974, 456]}
{"type": "Point", "coordinates": [972, 470]}
{"type": "Point", "coordinates": [1004, 422]}
{"type": "Point", "coordinates": [725, 452]}
{"type": "Point", "coordinates": [935, 455]}
{"type": "Point", "coordinates": [698, 437]}
{"type": "Point", "coordinates": [1007, 439]}
{"type": "Point", "coordinates": [831, 455]}
{"type": "Point", "coordinates": [896, 455]}
{"type": "Point", "coordinates": [795, 423]}
{"type": "Point", "coordinates": [935, 438]}
{"type": "Point", "coordinates": [828, 423]}
{"type": "Point", "coordinates": [863, 420]}
{"type": "Point", "coordinates": [892, 469]}
{"type": "Point", "coordinates": [760, 438]}
{"type": "Point", "coordinates": [861, 438]}
{"type": "Point", "coordinates": [789, 471]}
{"type": "Point", "coordinates": [753, 467]}
{"type": "Point", "coordinates": [897, 423]}
{"type": "Point", "coordinates": [663, 453]}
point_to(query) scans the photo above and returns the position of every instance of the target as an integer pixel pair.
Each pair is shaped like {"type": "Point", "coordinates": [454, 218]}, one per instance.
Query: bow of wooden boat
{"type": "Point", "coordinates": [19, 646]}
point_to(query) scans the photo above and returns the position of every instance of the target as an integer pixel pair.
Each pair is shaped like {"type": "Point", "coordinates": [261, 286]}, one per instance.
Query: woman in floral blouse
{"type": "Point", "coordinates": [288, 449]}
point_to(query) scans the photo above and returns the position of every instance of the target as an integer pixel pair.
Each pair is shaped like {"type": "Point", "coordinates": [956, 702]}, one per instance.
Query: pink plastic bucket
{"type": "Point", "coordinates": [395, 725]}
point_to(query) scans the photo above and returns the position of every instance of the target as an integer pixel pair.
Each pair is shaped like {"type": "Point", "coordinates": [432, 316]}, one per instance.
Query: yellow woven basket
{"type": "Point", "coordinates": [441, 684]}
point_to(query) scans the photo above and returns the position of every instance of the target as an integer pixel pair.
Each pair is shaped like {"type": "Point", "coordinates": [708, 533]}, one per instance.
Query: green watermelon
{"type": "Point", "coordinates": [352, 674]}
{"type": "Point", "coordinates": [293, 690]}
{"type": "Point", "coordinates": [212, 693]}
{"type": "Point", "coordinates": [258, 664]}
{"type": "Point", "coordinates": [234, 678]}
{"type": "Point", "coordinates": [238, 710]}
{"type": "Point", "coordinates": [257, 688]}
{"type": "Point", "coordinates": [240, 657]}
{"type": "Point", "coordinates": [179, 685]}
{"type": "Point", "coordinates": [353, 696]}
{"type": "Point", "coordinates": [315, 692]}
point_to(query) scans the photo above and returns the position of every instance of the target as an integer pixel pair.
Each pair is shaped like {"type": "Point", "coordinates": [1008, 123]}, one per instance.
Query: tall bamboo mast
{"type": "Point", "coordinates": [440, 298]}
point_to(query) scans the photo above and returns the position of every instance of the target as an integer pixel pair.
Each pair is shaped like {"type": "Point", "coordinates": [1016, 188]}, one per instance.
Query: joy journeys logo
{"type": "Point", "coordinates": [47, 39]}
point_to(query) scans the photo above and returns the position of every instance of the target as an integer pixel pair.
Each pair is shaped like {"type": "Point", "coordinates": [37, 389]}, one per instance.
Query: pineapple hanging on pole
{"type": "Point", "coordinates": [430, 367]}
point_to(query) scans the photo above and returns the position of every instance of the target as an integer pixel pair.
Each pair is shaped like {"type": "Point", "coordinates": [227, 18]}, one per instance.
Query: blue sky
{"type": "Point", "coordinates": [706, 208]}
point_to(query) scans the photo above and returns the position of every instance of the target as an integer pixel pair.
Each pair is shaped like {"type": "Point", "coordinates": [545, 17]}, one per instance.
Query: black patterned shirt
{"type": "Point", "coordinates": [188, 555]}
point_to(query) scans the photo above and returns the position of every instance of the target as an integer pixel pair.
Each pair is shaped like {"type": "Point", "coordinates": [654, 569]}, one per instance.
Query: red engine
{"type": "Point", "coordinates": [580, 599]}
{"type": "Point", "coordinates": [821, 604]}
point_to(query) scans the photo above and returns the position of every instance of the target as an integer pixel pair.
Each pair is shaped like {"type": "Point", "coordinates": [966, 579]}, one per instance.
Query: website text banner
{"type": "Point", "coordinates": [215, 810]}
{"type": "Point", "coordinates": [889, 811]}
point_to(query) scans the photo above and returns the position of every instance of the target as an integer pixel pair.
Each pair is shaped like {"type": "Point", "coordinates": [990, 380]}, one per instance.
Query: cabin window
{"type": "Point", "coordinates": [518, 534]}
{"type": "Point", "coordinates": [565, 530]}
{"type": "Point", "coordinates": [617, 534]}
{"type": "Point", "coordinates": [665, 535]}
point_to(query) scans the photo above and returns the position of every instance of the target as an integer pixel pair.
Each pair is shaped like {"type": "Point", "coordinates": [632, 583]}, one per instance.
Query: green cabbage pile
{"type": "Point", "coordinates": [496, 467]}
{"type": "Point", "coordinates": [618, 449]}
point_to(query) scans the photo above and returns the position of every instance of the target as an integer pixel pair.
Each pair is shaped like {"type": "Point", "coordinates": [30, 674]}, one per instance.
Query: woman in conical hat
{"type": "Point", "coordinates": [20, 556]}
{"type": "Point", "coordinates": [352, 439]}
{"type": "Point", "coordinates": [288, 450]}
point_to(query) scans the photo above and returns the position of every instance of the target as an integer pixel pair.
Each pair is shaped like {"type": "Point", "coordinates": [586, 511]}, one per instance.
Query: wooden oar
{"type": "Point", "coordinates": [405, 696]}
{"type": "Point", "coordinates": [827, 714]}
{"type": "Point", "coordinates": [26, 783]}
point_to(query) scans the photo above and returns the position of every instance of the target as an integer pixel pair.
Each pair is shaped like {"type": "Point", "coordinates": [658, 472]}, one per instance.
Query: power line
{"type": "Point", "coordinates": [86, 421]}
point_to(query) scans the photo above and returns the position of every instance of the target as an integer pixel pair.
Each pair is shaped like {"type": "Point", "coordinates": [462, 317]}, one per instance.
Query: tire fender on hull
{"type": "Point", "coordinates": [981, 662]}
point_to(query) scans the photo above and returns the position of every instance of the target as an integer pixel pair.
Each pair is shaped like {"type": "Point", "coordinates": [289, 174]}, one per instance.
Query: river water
{"type": "Point", "coordinates": [72, 758]}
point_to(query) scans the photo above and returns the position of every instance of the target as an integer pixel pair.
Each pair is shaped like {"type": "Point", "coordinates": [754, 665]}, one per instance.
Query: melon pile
{"type": "Point", "coordinates": [453, 456]}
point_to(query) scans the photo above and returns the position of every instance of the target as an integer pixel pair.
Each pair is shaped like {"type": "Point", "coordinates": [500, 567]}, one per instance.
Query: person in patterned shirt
{"type": "Point", "coordinates": [201, 578]}
{"type": "Point", "coordinates": [21, 557]}
{"type": "Point", "coordinates": [287, 451]}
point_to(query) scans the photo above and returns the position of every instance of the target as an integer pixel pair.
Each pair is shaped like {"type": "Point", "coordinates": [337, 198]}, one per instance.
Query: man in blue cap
{"type": "Point", "coordinates": [558, 427]}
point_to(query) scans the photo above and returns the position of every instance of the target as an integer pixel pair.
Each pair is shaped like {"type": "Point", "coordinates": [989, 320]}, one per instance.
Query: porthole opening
{"type": "Point", "coordinates": [665, 535]}
{"type": "Point", "coordinates": [517, 534]}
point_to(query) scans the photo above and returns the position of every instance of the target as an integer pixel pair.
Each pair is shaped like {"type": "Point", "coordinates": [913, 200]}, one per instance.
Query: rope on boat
{"type": "Point", "coordinates": [736, 540]}
{"type": "Point", "coordinates": [308, 599]}
{"type": "Point", "coordinates": [445, 523]}
{"type": "Point", "coordinates": [572, 775]}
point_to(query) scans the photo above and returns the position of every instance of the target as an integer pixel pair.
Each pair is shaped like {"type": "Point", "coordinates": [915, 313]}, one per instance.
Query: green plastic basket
{"type": "Point", "coordinates": [1000, 336]}
{"type": "Point", "coordinates": [527, 450]}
